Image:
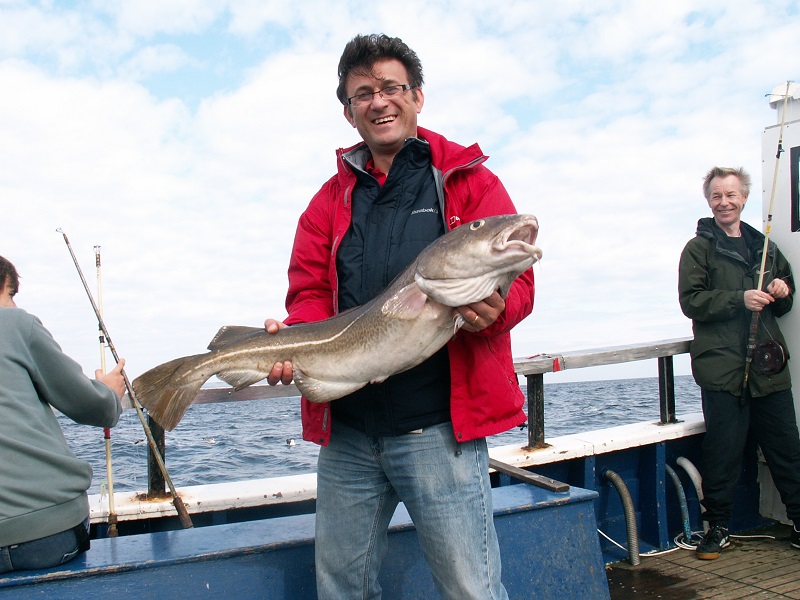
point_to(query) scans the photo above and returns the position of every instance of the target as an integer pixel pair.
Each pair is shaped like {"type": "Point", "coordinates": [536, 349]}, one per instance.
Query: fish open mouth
{"type": "Point", "coordinates": [485, 256]}
{"type": "Point", "coordinates": [522, 239]}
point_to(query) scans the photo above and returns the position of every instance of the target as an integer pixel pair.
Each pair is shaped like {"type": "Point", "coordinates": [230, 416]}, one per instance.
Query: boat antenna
{"type": "Point", "coordinates": [183, 514]}
{"type": "Point", "coordinates": [751, 341]}
{"type": "Point", "coordinates": [112, 515]}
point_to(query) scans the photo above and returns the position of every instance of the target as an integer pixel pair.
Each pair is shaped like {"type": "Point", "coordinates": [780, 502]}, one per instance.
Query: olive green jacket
{"type": "Point", "coordinates": [712, 279]}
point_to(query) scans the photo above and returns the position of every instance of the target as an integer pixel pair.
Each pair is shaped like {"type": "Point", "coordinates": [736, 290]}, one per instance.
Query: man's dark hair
{"type": "Point", "coordinates": [363, 51]}
{"type": "Point", "coordinates": [8, 275]}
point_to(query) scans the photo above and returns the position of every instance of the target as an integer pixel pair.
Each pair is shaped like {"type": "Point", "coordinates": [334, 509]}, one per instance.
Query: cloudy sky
{"type": "Point", "coordinates": [185, 137]}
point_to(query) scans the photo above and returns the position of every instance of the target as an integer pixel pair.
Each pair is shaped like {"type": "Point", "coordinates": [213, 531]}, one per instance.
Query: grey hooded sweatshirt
{"type": "Point", "coordinates": [42, 483]}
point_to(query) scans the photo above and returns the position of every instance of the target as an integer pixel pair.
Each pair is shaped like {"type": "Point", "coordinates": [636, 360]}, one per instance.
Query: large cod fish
{"type": "Point", "coordinates": [407, 323]}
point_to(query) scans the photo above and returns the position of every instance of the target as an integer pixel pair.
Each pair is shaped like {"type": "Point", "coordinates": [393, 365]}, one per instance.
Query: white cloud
{"type": "Point", "coordinates": [151, 60]}
{"type": "Point", "coordinates": [151, 17]}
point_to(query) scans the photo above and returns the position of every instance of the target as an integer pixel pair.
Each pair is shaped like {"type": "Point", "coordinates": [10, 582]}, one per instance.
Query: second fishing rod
{"type": "Point", "coordinates": [180, 507]}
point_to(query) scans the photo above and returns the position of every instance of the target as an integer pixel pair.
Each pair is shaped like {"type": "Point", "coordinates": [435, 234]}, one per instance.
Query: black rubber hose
{"type": "Point", "coordinates": [630, 515]}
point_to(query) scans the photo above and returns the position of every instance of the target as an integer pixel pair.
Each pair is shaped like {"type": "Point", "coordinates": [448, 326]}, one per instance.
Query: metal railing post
{"type": "Point", "coordinates": [156, 485]}
{"type": "Point", "coordinates": [535, 410]}
{"type": "Point", "coordinates": [666, 390]}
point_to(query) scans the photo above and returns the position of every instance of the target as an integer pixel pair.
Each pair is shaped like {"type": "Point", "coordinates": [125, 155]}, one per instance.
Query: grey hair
{"type": "Point", "coordinates": [740, 173]}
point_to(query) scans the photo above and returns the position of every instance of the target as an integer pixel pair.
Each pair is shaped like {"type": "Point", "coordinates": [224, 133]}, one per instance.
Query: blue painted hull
{"type": "Point", "coordinates": [549, 545]}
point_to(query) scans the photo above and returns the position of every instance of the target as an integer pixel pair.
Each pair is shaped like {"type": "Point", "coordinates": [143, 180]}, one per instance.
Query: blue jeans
{"type": "Point", "coordinates": [45, 552]}
{"type": "Point", "coordinates": [446, 490]}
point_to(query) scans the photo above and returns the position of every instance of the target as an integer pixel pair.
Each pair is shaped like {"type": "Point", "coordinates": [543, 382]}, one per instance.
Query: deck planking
{"type": "Point", "coordinates": [753, 567]}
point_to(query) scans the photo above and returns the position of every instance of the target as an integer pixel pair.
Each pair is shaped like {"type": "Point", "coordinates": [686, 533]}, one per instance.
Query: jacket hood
{"type": "Point", "coordinates": [707, 228]}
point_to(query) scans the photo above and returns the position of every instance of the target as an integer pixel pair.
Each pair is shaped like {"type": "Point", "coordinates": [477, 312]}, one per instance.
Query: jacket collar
{"type": "Point", "coordinates": [754, 239]}
{"type": "Point", "coordinates": [445, 155]}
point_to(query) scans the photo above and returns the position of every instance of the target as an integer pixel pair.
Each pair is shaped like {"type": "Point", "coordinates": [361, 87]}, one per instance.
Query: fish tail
{"type": "Point", "coordinates": [166, 394]}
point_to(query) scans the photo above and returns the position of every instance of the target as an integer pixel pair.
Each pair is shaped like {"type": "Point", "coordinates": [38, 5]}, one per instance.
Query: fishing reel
{"type": "Point", "coordinates": [770, 357]}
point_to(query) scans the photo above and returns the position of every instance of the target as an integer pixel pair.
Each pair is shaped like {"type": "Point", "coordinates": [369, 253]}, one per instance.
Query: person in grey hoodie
{"type": "Point", "coordinates": [44, 508]}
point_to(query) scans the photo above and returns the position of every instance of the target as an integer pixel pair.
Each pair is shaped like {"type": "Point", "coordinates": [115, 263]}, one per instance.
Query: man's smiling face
{"type": "Point", "coordinates": [384, 124]}
{"type": "Point", "coordinates": [727, 201]}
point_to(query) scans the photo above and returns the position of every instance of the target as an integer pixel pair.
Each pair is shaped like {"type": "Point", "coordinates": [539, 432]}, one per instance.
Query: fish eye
{"type": "Point", "coordinates": [476, 224]}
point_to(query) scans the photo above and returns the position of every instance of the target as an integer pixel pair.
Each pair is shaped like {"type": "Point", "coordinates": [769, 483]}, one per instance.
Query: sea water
{"type": "Point", "coordinates": [255, 439]}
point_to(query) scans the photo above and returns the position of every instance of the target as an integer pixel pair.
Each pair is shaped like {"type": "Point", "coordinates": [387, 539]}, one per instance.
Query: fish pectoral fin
{"type": "Point", "coordinates": [240, 378]}
{"type": "Point", "coordinates": [405, 304]}
{"type": "Point", "coordinates": [317, 390]}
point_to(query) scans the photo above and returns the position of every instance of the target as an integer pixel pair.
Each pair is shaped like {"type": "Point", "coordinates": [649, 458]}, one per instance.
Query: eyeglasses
{"type": "Point", "coordinates": [390, 91]}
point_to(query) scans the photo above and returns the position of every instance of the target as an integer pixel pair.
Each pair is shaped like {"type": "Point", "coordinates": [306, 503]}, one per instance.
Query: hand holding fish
{"type": "Point", "coordinates": [281, 372]}
{"type": "Point", "coordinates": [480, 315]}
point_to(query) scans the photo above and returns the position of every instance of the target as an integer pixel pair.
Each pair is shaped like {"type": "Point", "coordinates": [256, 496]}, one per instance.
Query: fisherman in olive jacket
{"type": "Point", "coordinates": [719, 290]}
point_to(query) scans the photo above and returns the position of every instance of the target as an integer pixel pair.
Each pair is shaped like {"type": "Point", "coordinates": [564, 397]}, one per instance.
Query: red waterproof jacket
{"type": "Point", "coordinates": [485, 396]}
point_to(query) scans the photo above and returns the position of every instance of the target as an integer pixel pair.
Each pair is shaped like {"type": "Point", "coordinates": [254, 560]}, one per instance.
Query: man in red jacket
{"type": "Point", "coordinates": [418, 437]}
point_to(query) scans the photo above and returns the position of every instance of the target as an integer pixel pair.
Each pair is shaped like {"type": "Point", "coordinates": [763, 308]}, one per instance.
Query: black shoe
{"type": "Point", "coordinates": [714, 541]}
{"type": "Point", "coordinates": [794, 538]}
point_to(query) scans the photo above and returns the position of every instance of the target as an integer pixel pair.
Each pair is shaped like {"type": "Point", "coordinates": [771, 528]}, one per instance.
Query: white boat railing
{"type": "Point", "coordinates": [534, 368]}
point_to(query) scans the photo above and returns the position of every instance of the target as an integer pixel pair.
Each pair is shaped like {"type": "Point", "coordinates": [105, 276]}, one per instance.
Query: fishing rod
{"type": "Point", "coordinates": [183, 514]}
{"type": "Point", "coordinates": [751, 341]}
{"type": "Point", "coordinates": [112, 515]}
